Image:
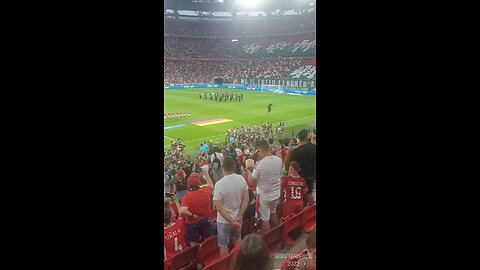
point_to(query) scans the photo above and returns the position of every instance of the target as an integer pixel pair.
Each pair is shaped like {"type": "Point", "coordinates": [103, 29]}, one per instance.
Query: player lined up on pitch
{"type": "Point", "coordinates": [220, 96]}
{"type": "Point", "coordinates": [176, 115]}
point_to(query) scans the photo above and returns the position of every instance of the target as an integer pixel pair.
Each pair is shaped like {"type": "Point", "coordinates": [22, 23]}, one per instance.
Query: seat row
{"type": "Point", "coordinates": [208, 255]}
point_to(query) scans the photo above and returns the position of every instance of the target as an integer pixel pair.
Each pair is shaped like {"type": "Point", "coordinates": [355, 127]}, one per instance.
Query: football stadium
{"type": "Point", "coordinates": [239, 134]}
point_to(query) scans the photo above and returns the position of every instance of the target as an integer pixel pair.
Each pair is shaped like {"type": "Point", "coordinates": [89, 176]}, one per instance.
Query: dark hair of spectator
{"type": "Point", "coordinates": [302, 135]}
{"type": "Point", "coordinates": [253, 254]}
{"type": "Point", "coordinates": [270, 141]}
{"type": "Point", "coordinates": [263, 145]}
{"type": "Point", "coordinates": [228, 164]}
{"type": "Point", "coordinates": [286, 141]}
{"type": "Point", "coordinates": [295, 165]}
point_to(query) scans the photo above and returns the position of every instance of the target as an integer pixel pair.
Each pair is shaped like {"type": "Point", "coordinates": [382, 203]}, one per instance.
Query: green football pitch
{"type": "Point", "coordinates": [297, 111]}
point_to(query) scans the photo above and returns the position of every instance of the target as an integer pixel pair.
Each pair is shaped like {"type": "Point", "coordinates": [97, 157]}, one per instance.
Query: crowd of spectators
{"type": "Point", "coordinates": [221, 48]}
{"type": "Point", "coordinates": [198, 72]}
{"type": "Point", "coordinates": [197, 51]}
{"type": "Point", "coordinates": [254, 168]}
{"type": "Point", "coordinates": [242, 27]}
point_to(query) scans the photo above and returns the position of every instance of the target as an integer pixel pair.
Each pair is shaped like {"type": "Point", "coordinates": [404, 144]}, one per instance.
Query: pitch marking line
{"type": "Point", "coordinates": [168, 137]}
{"type": "Point", "coordinates": [224, 133]}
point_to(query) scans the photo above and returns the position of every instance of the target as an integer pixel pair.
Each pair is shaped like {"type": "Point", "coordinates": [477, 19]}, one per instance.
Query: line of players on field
{"type": "Point", "coordinates": [176, 115]}
{"type": "Point", "coordinates": [222, 96]}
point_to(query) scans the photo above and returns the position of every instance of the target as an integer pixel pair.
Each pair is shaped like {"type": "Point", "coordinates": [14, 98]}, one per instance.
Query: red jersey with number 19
{"type": "Point", "coordinates": [174, 239]}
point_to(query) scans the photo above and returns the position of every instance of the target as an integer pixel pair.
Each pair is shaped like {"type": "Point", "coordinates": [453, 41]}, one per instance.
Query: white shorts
{"type": "Point", "coordinates": [267, 208]}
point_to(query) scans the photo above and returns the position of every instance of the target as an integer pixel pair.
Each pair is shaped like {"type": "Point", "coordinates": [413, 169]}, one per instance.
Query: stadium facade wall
{"type": "Point", "coordinates": [240, 87]}
{"type": "Point", "coordinates": [279, 82]}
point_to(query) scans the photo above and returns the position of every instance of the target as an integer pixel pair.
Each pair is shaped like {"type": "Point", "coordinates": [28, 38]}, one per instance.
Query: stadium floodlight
{"type": "Point", "coordinates": [249, 3]}
{"type": "Point", "coordinates": [234, 40]}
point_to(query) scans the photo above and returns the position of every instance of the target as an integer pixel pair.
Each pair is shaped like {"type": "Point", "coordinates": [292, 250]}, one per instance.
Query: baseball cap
{"type": "Point", "coordinates": [193, 180]}
{"type": "Point", "coordinates": [180, 172]}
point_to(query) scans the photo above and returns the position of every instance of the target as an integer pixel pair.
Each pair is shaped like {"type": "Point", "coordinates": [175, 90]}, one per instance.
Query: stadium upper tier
{"type": "Point", "coordinates": [270, 47]}
{"type": "Point", "coordinates": [286, 25]}
{"type": "Point", "coordinates": [199, 72]}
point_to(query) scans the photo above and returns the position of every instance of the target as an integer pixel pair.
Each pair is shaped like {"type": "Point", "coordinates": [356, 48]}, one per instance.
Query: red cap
{"type": "Point", "coordinates": [193, 180]}
{"type": "Point", "coordinates": [180, 172]}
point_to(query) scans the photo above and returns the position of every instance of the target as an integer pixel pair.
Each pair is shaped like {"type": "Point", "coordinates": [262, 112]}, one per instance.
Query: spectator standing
{"type": "Point", "coordinates": [293, 189]}
{"type": "Point", "coordinates": [284, 150]}
{"type": "Point", "coordinates": [173, 232]}
{"type": "Point", "coordinates": [266, 175]}
{"type": "Point", "coordinates": [216, 159]}
{"type": "Point", "coordinates": [306, 154]}
{"type": "Point", "coordinates": [231, 200]}
{"type": "Point", "coordinates": [196, 208]}
{"type": "Point", "coordinates": [179, 185]}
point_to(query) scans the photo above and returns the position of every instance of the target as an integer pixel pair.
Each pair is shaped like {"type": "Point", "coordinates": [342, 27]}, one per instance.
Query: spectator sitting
{"type": "Point", "coordinates": [196, 207]}
{"type": "Point", "coordinates": [253, 254]}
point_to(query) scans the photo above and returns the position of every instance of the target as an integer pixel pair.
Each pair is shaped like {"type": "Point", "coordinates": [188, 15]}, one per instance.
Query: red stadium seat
{"type": "Point", "coordinates": [309, 218]}
{"type": "Point", "coordinates": [234, 253]}
{"type": "Point", "coordinates": [273, 238]}
{"type": "Point", "coordinates": [185, 260]}
{"type": "Point", "coordinates": [209, 251]}
{"type": "Point", "coordinates": [291, 223]}
{"type": "Point", "coordinates": [222, 264]}
{"type": "Point", "coordinates": [291, 262]}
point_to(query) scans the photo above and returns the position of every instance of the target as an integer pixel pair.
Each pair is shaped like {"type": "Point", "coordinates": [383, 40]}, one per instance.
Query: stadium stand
{"type": "Point", "coordinates": [268, 49]}
{"type": "Point", "coordinates": [195, 51]}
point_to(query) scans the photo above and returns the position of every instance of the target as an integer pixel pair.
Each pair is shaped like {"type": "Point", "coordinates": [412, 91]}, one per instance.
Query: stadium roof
{"type": "Point", "coordinates": [237, 5]}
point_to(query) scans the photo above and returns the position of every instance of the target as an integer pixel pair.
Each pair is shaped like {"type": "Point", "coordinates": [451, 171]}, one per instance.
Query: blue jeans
{"type": "Point", "coordinates": [202, 227]}
{"type": "Point", "coordinates": [225, 233]}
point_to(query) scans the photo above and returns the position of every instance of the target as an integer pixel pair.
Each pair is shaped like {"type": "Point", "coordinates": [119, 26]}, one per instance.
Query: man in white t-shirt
{"type": "Point", "coordinates": [230, 197]}
{"type": "Point", "coordinates": [266, 176]}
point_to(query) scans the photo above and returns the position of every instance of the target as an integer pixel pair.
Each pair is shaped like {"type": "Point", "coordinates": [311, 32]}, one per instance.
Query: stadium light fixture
{"type": "Point", "coordinates": [248, 3]}
{"type": "Point", "coordinates": [234, 40]}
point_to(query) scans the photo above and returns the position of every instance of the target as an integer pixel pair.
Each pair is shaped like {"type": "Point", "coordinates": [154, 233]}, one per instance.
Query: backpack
{"type": "Point", "coordinates": [216, 165]}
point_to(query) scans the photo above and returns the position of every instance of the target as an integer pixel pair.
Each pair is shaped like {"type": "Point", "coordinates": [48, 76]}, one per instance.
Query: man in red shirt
{"type": "Point", "coordinates": [293, 187]}
{"type": "Point", "coordinates": [196, 208]}
{"type": "Point", "coordinates": [174, 234]}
